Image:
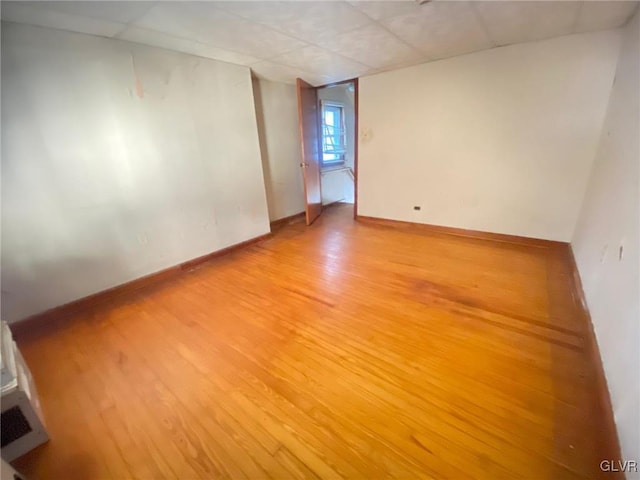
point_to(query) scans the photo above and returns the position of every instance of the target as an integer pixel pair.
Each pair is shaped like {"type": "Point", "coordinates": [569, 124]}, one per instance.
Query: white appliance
{"type": "Point", "coordinates": [21, 420]}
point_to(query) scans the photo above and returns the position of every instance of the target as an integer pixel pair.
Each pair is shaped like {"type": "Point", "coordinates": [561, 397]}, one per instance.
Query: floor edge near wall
{"type": "Point", "coordinates": [281, 222]}
{"type": "Point", "coordinates": [609, 441]}
{"type": "Point", "coordinates": [610, 445]}
{"type": "Point", "coordinates": [462, 232]}
{"type": "Point", "coordinates": [33, 323]}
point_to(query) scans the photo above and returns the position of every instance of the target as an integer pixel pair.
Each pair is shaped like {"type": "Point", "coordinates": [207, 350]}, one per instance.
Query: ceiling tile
{"type": "Point", "coordinates": [202, 22]}
{"type": "Point", "coordinates": [281, 73]}
{"type": "Point", "coordinates": [116, 11]}
{"type": "Point", "coordinates": [317, 60]}
{"type": "Point", "coordinates": [33, 14]}
{"type": "Point", "coordinates": [380, 10]}
{"type": "Point", "coordinates": [347, 39]}
{"type": "Point", "coordinates": [514, 22]}
{"type": "Point", "coordinates": [310, 21]}
{"type": "Point", "coordinates": [163, 40]}
{"type": "Point", "coordinates": [372, 45]}
{"type": "Point", "coordinates": [602, 15]}
{"type": "Point", "coordinates": [441, 29]}
{"type": "Point", "coordinates": [397, 66]}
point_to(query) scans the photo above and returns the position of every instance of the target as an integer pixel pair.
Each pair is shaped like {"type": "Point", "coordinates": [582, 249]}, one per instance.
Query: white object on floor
{"type": "Point", "coordinates": [21, 419]}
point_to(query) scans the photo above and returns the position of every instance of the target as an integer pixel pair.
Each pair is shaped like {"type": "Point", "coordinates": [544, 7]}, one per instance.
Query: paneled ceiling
{"type": "Point", "coordinates": [326, 41]}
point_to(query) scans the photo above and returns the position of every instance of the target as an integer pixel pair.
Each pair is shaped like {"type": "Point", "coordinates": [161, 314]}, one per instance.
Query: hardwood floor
{"type": "Point", "coordinates": [339, 350]}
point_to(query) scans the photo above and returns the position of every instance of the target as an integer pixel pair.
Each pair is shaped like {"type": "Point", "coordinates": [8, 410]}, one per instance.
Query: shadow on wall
{"type": "Point", "coordinates": [56, 249]}
{"type": "Point", "coordinates": [46, 259]}
{"type": "Point", "coordinates": [68, 257]}
{"type": "Point", "coordinates": [47, 282]}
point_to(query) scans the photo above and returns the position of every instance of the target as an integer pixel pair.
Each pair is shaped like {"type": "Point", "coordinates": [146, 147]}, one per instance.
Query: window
{"type": "Point", "coordinates": [334, 134]}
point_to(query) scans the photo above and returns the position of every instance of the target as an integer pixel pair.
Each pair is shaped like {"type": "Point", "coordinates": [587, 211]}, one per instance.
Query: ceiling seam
{"type": "Point", "coordinates": [483, 24]}
{"type": "Point", "coordinates": [137, 18]}
{"type": "Point", "coordinates": [299, 70]}
{"type": "Point", "coordinates": [308, 43]}
{"type": "Point", "coordinates": [576, 18]}
{"type": "Point", "coordinates": [423, 55]}
{"type": "Point", "coordinates": [177, 37]}
{"type": "Point", "coordinates": [269, 28]}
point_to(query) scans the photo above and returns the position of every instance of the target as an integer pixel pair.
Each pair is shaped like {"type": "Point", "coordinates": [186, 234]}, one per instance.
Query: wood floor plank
{"type": "Point", "coordinates": [339, 350]}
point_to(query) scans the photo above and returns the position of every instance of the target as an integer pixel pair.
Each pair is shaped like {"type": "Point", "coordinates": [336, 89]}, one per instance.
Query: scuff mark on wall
{"type": "Point", "coordinates": [139, 88]}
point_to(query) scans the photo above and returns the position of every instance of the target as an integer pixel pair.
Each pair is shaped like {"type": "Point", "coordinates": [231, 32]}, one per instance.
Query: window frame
{"type": "Point", "coordinates": [342, 132]}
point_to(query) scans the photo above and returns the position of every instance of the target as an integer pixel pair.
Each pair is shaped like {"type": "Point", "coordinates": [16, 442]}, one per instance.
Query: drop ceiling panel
{"type": "Point", "coordinates": [322, 62]}
{"type": "Point", "coordinates": [162, 40]}
{"type": "Point", "coordinates": [380, 10]}
{"type": "Point", "coordinates": [515, 22]}
{"type": "Point", "coordinates": [282, 73]}
{"type": "Point", "coordinates": [309, 21]}
{"type": "Point", "coordinates": [372, 45]}
{"type": "Point", "coordinates": [206, 24]}
{"type": "Point", "coordinates": [117, 11]}
{"type": "Point", "coordinates": [35, 14]}
{"type": "Point", "coordinates": [441, 29]}
{"type": "Point", "coordinates": [601, 15]}
{"type": "Point", "coordinates": [323, 41]}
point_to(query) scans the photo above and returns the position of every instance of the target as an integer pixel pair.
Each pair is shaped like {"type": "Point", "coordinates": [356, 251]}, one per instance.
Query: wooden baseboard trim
{"type": "Point", "coordinates": [337, 203]}
{"type": "Point", "coordinates": [281, 222]}
{"type": "Point", "coordinates": [461, 232]}
{"type": "Point", "coordinates": [609, 444]}
{"type": "Point", "coordinates": [36, 322]}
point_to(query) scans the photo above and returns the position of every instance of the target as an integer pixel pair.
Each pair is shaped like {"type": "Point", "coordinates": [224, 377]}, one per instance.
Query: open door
{"type": "Point", "coordinates": [310, 142]}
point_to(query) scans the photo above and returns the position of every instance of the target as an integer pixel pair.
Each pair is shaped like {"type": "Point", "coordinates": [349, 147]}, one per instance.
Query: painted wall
{"type": "Point", "coordinates": [277, 115]}
{"type": "Point", "coordinates": [337, 184]}
{"type": "Point", "coordinates": [118, 160]}
{"type": "Point", "coordinates": [500, 141]}
{"type": "Point", "coordinates": [606, 243]}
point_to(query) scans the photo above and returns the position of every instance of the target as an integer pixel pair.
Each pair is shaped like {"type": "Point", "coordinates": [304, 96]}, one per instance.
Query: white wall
{"type": "Point", "coordinates": [118, 160]}
{"type": "Point", "coordinates": [277, 114]}
{"type": "Point", "coordinates": [500, 141]}
{"type": "Point", "coordinates": [337, 184]}
{"type": "Point", "coordinates": [610, 220]}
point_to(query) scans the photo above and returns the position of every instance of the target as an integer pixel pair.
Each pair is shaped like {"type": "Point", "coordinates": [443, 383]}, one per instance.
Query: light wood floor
{"type": "Point", "coordinates": [340, 350]}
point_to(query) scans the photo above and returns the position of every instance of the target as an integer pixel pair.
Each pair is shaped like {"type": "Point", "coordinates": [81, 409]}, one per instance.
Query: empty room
{"type": "Point", "coordinates": [320, 239]}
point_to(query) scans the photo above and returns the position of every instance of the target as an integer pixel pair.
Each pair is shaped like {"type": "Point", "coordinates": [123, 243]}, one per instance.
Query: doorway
{"type": "Point", "coordinates": [337, 110]}
{"type": "Point", "coordinates": [328, 126]}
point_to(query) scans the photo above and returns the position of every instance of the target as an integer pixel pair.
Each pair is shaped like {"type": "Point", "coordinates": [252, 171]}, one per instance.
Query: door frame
{"type": "Point", "coordinates": [356, 136]}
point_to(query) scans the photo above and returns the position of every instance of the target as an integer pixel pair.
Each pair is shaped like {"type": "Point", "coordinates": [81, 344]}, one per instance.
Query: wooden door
{"type": "Point", "coordinates": [310, 142]}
